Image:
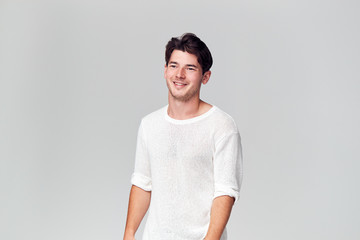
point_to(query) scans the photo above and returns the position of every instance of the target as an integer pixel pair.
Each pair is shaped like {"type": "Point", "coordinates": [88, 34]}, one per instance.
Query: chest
{"type": "Point", "coordinates": [181, 146]}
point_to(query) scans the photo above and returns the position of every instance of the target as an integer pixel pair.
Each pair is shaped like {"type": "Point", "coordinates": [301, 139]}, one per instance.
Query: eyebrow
{"type": "Point", "coordinates": [188, 65]}
{"type": "Point", "coordinates": [191, 65]}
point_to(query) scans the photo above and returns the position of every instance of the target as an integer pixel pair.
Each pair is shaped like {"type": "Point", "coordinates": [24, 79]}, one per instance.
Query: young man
{"type": "Point", "coordinates": [188, 162]}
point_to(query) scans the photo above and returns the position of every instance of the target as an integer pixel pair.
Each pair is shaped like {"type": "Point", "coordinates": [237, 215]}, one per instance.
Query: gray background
{"type": "Point", "coordinates": [77, 76]}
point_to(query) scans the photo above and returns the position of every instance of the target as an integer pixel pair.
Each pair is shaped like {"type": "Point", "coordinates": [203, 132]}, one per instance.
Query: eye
{"type": "Point", "coordinates": [191, 69]}
{"type": "Point", "coordinates": [172, 66]}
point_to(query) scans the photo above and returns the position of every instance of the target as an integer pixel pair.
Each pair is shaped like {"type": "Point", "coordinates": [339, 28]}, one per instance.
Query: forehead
{"type": "Point", "coordinates": [183, 58]}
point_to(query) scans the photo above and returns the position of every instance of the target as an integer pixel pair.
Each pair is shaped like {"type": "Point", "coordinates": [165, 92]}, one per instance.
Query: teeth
{"type": "Point", "coordinates": [180, 84]}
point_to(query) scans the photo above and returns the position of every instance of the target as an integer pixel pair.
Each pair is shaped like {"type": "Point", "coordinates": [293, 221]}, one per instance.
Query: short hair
{"type": "Point", "coordinates": [190, 43]}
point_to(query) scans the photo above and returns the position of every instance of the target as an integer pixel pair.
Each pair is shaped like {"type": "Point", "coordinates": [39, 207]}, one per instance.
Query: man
{"type": "Point", "coordinates": [188, 162]}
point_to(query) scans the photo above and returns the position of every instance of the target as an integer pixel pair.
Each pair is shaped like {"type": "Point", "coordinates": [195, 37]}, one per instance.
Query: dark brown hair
{"type": "Point", "coordinates": [190, 43]}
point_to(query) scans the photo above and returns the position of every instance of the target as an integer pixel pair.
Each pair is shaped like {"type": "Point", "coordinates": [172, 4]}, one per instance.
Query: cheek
{"type": "Point", "coordinates": [196, 78]}
{"type": "Point", "coordinates": [167, 76]}
{"type": "Point", "coordinates": [167, 72]}
{"type": "Point", "coordinates": [170, 75]}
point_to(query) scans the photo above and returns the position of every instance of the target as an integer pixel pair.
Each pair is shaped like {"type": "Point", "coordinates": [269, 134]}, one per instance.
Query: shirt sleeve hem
{"type": "Point", "coordinates": [141, 181]}
{"type": "Point", "coordinates": [222, 190]}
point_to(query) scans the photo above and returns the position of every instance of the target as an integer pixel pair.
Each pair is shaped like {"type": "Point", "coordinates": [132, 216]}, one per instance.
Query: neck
{"type": "Point", "coordinates": [183, 110]}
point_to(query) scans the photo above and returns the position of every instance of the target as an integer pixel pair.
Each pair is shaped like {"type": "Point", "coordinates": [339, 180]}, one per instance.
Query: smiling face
{"type": "Point", "coordinates": [184, 76]}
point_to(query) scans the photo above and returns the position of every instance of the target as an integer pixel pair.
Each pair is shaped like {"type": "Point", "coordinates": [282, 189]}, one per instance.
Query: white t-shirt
{"type": "Point", "coordinates": [186, 164]}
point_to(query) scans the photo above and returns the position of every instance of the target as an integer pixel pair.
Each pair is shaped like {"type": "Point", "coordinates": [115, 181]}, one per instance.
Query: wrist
{"type": "Point", "coordinates": [129, 233]}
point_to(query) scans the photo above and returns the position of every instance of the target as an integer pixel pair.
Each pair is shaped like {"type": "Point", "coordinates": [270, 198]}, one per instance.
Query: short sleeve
{"type": "Point", "coordinates": [141, 176]}
{"type": "Point", "coordinates": [228, 166]}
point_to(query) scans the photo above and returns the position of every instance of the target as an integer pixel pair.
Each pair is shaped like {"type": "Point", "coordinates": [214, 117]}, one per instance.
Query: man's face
{"type": "Point", "coordinates": [184, 76]}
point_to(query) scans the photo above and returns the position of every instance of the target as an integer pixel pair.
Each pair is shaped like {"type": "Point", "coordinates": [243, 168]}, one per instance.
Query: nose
{"type": "Point", "coordinates": [180, 73]}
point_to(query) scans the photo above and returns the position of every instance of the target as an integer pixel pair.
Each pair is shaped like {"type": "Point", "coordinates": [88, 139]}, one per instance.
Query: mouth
{"type": "Point", "coordinates": [179, 85]}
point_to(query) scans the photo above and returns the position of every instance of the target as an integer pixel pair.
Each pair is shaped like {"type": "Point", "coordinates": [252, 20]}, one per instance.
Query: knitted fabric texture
{"type": "Point", "coordinates": [186, 164]}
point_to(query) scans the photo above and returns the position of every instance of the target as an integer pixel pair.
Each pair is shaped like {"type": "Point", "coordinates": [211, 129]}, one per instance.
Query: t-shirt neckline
{"type": "Point", "coordinates": [189, 120]}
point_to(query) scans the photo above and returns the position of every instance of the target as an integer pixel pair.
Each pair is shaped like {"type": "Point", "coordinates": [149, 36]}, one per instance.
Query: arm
{"type": "Point", "coordinates": [220, 213]}
{"type": "Point", "coordinates": [139, 202]}
{"type": "Point", "coordinates": [227, 181]}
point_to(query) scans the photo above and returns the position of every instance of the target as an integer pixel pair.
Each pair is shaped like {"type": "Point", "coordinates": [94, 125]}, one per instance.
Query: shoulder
{"type": "Point", "coordinates": [225, 121]}
{"type": "Point", "coordinates": [153, 117]}
{"type": "Point", "coordinates": [224, 125]}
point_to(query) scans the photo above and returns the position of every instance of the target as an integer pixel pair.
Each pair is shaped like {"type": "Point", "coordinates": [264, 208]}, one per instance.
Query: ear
{"type": "Point", "coordinates": [206, 77]}
{"type": "Point", "coordinates": [165, 68]}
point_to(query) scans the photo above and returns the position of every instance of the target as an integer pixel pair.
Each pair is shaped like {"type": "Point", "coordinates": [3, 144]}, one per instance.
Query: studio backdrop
{"type": "Point", "coordinates": [76, 77]}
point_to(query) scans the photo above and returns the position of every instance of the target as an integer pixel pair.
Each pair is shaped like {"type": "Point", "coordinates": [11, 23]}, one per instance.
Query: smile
{"type": "Point", "coordinates": [179, 84]}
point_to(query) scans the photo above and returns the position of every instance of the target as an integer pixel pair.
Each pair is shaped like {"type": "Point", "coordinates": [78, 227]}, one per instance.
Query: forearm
{"type": "Point", "coordinates": [139, 202]}
{"type": "Point", "coordinates": [220, 213]}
